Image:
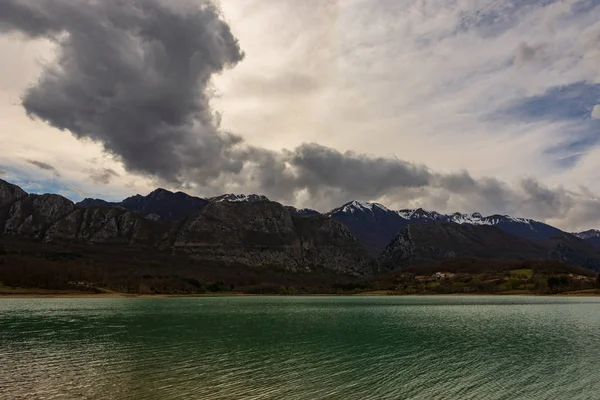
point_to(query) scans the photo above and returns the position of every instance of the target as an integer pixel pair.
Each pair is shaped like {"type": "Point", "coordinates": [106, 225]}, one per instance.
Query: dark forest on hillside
{"type": "Point", "coordinates": [101, 269]}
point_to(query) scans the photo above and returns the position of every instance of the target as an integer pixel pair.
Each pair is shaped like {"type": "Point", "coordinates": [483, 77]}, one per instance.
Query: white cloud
{"type": "Point", "coordinates": [405, 86]}
{"type": "Point", "coordinates": [388, 78]}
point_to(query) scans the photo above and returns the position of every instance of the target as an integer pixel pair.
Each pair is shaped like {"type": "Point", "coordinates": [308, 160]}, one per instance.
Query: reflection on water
{"type": "Point", "coordinates": [301, 348]}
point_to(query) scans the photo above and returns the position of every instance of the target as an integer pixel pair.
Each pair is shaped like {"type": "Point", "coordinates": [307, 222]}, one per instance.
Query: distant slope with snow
{"type": "Point", "coordinates": [239, 198]}
{"type": "Point", "coordinates": [591, 236]}
{"type": "Point", "coordinates": [372, 224]}
{"type": "Point", "coordinates": [375, 225]}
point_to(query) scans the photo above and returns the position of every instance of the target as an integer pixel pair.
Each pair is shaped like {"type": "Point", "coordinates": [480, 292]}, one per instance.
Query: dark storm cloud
{"type": "Point", "coordinates": [103, 176]}
{"type": "Point", "coordinates": [135, 77]}
{"type": "Point", "coordinates": [44, 166]}
{"type": "Point", "coordinates": [489, 192]}
{"type": "Point", "coordinates": [2, 172]}
{"type": "Point", "coordinates": [542, 197]}
{"type": "Point", "coordinates": [356, 174]}
{"type": "Point", "coordinates": [20, 15]}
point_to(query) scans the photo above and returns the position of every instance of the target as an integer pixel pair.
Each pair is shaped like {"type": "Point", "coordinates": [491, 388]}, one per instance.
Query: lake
{"type": "Point", "coordinates": [301, 348]}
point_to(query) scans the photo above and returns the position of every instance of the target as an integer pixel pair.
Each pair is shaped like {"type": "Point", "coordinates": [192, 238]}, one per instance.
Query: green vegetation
{"type": "Point", "coordinates": [523, 273]}
{"type": "Point", "coordinates": [460, 276]}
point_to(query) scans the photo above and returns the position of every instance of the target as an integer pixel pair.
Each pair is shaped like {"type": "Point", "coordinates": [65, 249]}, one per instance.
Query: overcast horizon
{"type": "Point", "coordinates": [454, 106]}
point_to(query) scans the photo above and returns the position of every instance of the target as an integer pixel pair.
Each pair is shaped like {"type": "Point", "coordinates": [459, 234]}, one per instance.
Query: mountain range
{"type": "Point", "coordinates": [254, 232]}
{"type": "Point", "coordinates": [358, 238]}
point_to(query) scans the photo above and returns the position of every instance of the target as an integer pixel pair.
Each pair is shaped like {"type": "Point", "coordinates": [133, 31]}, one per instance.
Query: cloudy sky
{"type": "Point", "coordinates": [453, 105]}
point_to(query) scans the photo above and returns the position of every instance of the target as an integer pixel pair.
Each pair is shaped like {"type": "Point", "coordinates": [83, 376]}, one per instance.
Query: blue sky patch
{"type": "Point", "coordinates": [569, 102]}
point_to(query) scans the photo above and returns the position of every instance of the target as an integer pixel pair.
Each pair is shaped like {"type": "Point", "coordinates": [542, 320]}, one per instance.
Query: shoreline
{"type": "Point", "coordinates": [115, 295]}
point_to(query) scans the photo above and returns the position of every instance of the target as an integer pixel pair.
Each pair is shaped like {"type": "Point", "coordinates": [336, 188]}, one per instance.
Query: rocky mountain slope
{"type": "Point", "coordinates": [422, 243]}
{"type": "Point", "coordinates": [375, 225]}
{"type": "Point", "coordinates": [251, 230]}
{"type": "Point", "coordinates": [161, 204]}
{"type": "Point", "coordinates": [591, 236]}
{"type": "Point", "coordinates": [267, 234]}
{"type": "Point", "coordinates": [239, 198]}
{"type": "Point", "coordinates": [573, 250]}
{"type": "Point", "coordinates": [419, 243]}
{"type": "Point", "coordinates": [522, 227]}
{"type": "Point", "coordinates": [258, 233]}
{"type": "Point", "coordinates": [50, 217]}
{"type": "Point", "coordinates": [372, 224]}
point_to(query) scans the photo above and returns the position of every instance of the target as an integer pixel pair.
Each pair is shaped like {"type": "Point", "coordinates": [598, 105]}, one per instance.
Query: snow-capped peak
{"type": "Point", "coordinates": [355, 205]}
{"type": "Point", "coordinates": [591, 233]}
{"type": "Point", "coordinates": [458, 218]}
{"type": "Point", "coordinates": [419, 213]}
{"type": "Point", "coordinates": [239, 198]}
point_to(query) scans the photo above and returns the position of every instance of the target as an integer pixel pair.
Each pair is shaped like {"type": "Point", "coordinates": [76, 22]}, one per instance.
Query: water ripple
{"type": "Point", "coordinates": [480, 348]}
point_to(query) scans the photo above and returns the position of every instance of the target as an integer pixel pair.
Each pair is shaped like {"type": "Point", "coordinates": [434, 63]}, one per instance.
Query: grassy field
{"type": "Point", "coordinates": [526, 273]}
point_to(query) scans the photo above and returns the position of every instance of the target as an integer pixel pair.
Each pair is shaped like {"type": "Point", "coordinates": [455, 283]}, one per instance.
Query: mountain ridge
{"type": "Point", "coordinates": [262, 234]}
{"type": "Point", "coordinates": [529, 228]}
{"type": "Point", "coordinates": [591, 236]}
{"type": "Point", "coordinates": [252, 230]}
{"type": "Point", "coordinates": [377, 225]}
{"type": "Point", "coordinates": [414, 244]}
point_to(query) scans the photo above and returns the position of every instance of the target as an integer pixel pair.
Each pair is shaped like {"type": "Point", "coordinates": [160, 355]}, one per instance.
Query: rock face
{"type": "Point", "coordinates": [53, 218]}
{"type": "Point", "coordinates": [104, 225]}
{"type": "Point", "coordinates": [420, 243]}
{"type": "Point", "coordinates": [254, 233]}
{"type": "Point", "coordinates": [10, 193]}
{"type": "Point", "coordinates": [302, 212]}
{"type": "Point", "coordinates": [239, 198]}
{"type": "Point", "coordinates": [33, 215]}
{"type": "Point", "coordinates": [267, 234]}
{"type": "Point", "coordinates": [89, 202]}
{"type": "Point", "coordinates": [574, 251]}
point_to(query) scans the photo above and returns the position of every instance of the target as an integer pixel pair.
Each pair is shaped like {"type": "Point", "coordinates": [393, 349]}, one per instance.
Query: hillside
{"type": "Point", "coordinates": [258, 233]}
{"type": "Point", "coordinates": [161, 204]}
{"type": "Point", "coordinates": [470, 275]}
{"type": "Point", "coordinates": [243, 241]}
{"type": "Point", "coordinates": [591, 236]}
{"type": "Point", "coordinates": [371, 223]}
{"type": "Point", "coordinates": [423, 243]}
{"type": "Point", "coordinates": [375, 225]}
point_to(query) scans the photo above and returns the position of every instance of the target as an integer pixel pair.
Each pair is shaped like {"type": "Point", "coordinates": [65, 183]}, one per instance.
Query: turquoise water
{"type": "Point", "coordinates": [301, 348]}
